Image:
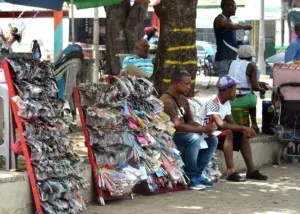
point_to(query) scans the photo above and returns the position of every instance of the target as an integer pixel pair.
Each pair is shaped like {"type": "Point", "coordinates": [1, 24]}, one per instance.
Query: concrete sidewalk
{"type": "Point", "coordinates": [15, 192]}
{"type": "Point", "coordinates": [279, 195]}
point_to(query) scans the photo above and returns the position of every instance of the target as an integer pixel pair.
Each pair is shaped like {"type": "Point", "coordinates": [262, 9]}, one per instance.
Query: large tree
{"type": "Point", "coordinates": [123, 26]}
{"type": "Point", "coordinates": [177, 41]}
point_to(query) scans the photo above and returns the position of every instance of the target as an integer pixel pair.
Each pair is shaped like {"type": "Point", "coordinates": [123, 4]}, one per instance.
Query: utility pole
{"type": "Point", "coordinates": [72, 23]}
{"type": "Point", "coordinates": [96, 45]}
{"type": "Point", "coordinates": [261, 48]}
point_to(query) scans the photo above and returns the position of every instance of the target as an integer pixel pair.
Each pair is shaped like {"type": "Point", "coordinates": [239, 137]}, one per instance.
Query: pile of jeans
{"type": "Point", "coordinates": [127, 127]}
{"type": "Point", "coordinates": [54, 163]}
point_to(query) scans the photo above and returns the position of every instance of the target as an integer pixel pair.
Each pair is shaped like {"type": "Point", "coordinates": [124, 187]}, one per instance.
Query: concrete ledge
{"type": "Point", "coordinates": [15, 192]}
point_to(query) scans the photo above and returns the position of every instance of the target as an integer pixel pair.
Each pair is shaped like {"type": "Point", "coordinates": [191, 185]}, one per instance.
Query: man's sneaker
{"type": "Point", "coordinates": [195, 184]}
{"type": "Point", "coordinates": [235, 177]}
{"type": "Point", "coordinates": [256, 175]}
{"type": "Point", "coordinates": [205, 182]}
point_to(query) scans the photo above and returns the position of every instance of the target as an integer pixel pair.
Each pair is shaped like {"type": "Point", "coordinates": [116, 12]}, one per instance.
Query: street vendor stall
{"type": "Point", "coordinates": [51, 164]}
{"type": "Point", "coordinates": [129, 138]}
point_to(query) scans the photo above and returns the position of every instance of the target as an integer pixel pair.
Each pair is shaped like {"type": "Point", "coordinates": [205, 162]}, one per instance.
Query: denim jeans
{"type": "Point", "coordinates": [195, 159]}
{"type": "Point", "coordinates": [223, 67]}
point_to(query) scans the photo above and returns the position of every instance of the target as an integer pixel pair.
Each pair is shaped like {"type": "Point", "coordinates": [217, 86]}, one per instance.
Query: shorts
{"type": "Point", "coordinates": [246, 101]}
{"type": "Point", "coordinates": [223, 67]}
{"type": "Point", "coordinates": [237, 141]}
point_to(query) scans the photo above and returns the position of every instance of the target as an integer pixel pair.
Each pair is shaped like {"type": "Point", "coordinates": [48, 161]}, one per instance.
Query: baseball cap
{"type": "Point", "coordinates": [226, 82]}
{"type": "Point", "coordinates": [245, 51]}
{"type": "Point", "coordinates": [147, 29]}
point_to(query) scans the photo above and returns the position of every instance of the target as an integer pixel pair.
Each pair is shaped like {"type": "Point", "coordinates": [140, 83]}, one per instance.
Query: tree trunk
{"type": "Point", "coordinates": [134, 24]}
{"type": "Point", "coordinates": [177, 41]}
{"type": "Point", "coordinates": [123, 25]}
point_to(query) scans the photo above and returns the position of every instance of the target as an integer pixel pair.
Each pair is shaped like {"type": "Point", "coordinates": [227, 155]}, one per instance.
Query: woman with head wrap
{"type": "Point", "coordinates": [246, 75]}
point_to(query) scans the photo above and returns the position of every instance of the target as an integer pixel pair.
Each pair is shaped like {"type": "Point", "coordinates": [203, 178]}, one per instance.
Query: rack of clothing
{"type": "Point", "coordinates": [52, 165]}
{"type": "Point", "coordinates": [129, 138]}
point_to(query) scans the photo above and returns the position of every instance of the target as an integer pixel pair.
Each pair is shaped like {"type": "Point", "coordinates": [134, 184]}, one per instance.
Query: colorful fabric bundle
{"type": "Point", "coordinates": [119, 182]}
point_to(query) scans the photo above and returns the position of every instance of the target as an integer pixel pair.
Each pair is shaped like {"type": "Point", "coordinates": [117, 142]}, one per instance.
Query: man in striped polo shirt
{"type": "Point", "coordinates": [140, 64]}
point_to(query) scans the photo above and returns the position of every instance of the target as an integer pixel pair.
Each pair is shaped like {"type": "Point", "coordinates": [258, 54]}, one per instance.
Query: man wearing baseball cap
{"type": "Point", "coordinates": [232, 137]}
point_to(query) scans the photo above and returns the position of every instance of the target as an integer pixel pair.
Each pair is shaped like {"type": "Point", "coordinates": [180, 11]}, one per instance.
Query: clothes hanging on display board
{"type": "Point", "coordinates": [55, 165]}
{"type": "Point", "coordinates": [130, 136]}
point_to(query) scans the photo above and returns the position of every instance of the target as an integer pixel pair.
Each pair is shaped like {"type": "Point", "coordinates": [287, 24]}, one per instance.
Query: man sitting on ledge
{"type": "Point", "coordinates": [196, 152]}
{"type": "Point", "coordinates": [233, 137]}
{"type": "Point", "coordinates": [139, 65]}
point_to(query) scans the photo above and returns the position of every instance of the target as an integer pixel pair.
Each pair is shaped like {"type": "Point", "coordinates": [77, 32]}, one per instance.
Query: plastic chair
{"type": "Point", "coordinates": [7, 132]}
{"type": "Point", "coordinates": [69, 70]}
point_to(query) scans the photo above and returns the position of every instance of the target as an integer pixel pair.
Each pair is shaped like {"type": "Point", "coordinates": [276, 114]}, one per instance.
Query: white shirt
{"type": "Point", "coordinates": [214, 106]}
{"type": "Point", "coordinates": [238, 71]}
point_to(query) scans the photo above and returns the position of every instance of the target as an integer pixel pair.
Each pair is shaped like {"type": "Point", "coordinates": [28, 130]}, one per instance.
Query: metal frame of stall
{"type": "Point", "coordinates": [12, 93]}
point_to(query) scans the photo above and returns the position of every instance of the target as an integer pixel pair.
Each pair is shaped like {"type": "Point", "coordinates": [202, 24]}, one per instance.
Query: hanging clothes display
{"type": "Point", "coordinates": [129, 135]}
{"type": "Point", "coordinates": [54, 164]}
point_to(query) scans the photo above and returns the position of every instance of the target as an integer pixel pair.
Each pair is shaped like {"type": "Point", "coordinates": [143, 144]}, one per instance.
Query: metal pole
{"type": "Point", "coordinates": [283, 18]}
{"type": "Point", "coordinates": [261, 48]}
{"type": "Point", "coordinates": [282, 31]}
{"type": "Point", "coordinates": [72, 22]}
{"type": "Point", "coordinates": [96, 45]}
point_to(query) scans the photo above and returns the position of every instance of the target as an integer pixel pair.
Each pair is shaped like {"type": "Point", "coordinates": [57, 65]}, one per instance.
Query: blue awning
{"type": "Point", "coordinates": [46, 4]}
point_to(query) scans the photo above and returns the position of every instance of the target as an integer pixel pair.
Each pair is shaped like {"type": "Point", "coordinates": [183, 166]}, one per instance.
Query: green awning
{"type": "Point", "coordinates": [84, 4]}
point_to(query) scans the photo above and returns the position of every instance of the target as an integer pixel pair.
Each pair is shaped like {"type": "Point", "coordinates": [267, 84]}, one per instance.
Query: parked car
{"type": "Point", "coordinates": [206, 58]}
{"type": "Point", "coordinates": [271, 60]}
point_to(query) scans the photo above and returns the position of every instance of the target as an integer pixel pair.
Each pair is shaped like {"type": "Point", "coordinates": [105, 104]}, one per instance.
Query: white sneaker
{"type": "Point", "coordinates": [197, 187]}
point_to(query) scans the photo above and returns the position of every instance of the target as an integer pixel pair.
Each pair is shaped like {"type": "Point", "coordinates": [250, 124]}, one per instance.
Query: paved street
{"type": "Point", "coordinates": [279, 195]}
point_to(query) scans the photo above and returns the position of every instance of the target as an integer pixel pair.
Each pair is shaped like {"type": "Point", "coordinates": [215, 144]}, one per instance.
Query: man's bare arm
{"type": "Point", "coordinates": [223, 23]}
{"type": "Point", "coordinates": [252, 74]}
{"type": "Point", "coordinates": [226, 125]}
{"type": "Point", "coordinates": [249, 132]}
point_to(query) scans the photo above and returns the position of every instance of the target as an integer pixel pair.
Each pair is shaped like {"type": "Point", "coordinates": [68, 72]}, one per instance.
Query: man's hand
{"type": "Point", "coordinates": [262, 90]}
{"type": "Point", "coordinates": [208, 129]}
{"type": "Point", "coordinates": [263, 85]}
{"type": "Point", "coordinates": [249, 132]}
{"type": "Point", "coordinates": [247, 27]}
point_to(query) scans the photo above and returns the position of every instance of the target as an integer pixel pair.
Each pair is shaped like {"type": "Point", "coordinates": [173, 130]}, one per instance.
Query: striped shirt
{"type": "Point", "coordinates": [144, 64]}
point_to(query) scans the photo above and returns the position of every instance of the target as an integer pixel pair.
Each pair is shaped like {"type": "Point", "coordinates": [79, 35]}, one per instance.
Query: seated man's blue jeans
{"type": "Point", "coordinates": [195, 158]}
